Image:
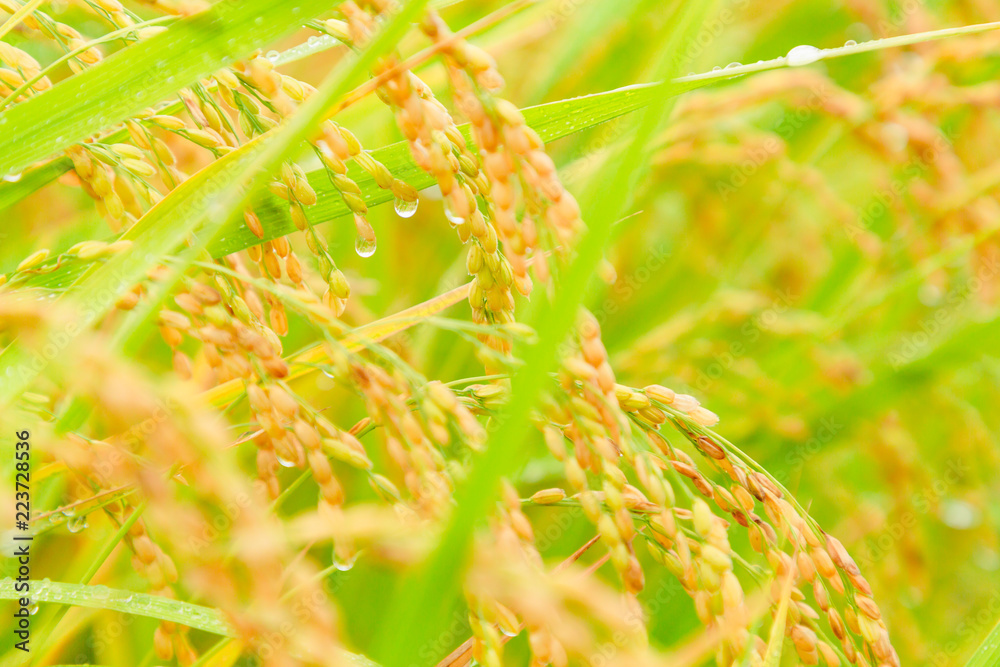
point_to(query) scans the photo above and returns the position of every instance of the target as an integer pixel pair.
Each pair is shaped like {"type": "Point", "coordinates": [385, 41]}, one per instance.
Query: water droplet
{"type": "Point", "coordinates": [405, 209]}
{"type": "Point", "coordinates": [344, 564]}
{"type": "Point", "coordinates": [850, 42]}
{"type": "Point", "coordinates": [717, 68]}
{"type": "Point", "coordinates": [735, 64]}
{"type": "Point", "coordinates": [313, 40]}
{"type": "Point", "coordinates": [363, 246]}
{"type": "Point", "coordinates": [13, 177]}
{"type": "Point", "coordinates": [510, 632]}
{"type": "Point", "coordinates": [285, 463]}
{"type": "Point", "coordinates": [272, 56]}
{"type": "Point", "coordinates": [33, 608]}
{"type": "Point", "coordinates": [804, 54]}
{"type": "Point", "coordinates": [76, 524]}
{"type": "Point", "coordinates": [453, 218]}
{"type": "Point", "coordinates": [68, 512]}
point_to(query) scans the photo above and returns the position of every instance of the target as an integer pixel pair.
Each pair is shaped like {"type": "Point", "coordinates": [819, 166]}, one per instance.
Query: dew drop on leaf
{"type": "Point", "coordinates": [76, 524]}
{"type": "Point", "coordinates": [804, 54]}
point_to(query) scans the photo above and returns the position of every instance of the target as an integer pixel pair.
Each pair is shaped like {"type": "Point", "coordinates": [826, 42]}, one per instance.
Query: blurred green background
{"type": "Point", "coordinates": [812, 254]}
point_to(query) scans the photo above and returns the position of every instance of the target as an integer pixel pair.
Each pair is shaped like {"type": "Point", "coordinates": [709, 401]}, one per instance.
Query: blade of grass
{"type": "Point", "coordinates": [158, 232]}
{"type": "Point", "coordinates": [11, 194]}
{"type": "Point", "coordinates": [776, 640]}
{"type": "Point", "coordinates": [69, 55]}
{"type": "Point", "coordinates": [301, 363]}
{"type": "Point", "coordinates": [19, 15]}
{"type": "Point", "coordinates": [988, 653]}
{"type": "Point", "coordinates": [42, 523]}
{"type": "Point", "coordinates": [142, 74]}
{"type": "Point", "coordinates": [417, 612]}
{"type": "Point", "coordinates": [138, 604]}
{"type": "Point", "coordinates": [31, 180]}
{"type": "Point", "coordinates": [50, 632]}
{"type": "Point", "coordinates": [552, 121]}
{"type": "Point", "coordinates": [206, 200]}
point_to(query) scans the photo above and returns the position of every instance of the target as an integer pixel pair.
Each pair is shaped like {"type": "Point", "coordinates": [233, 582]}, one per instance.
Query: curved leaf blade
{"type": "Point", "coordinates": [143, 74]}
{"type": "Point", "coordinates": [138, 604]}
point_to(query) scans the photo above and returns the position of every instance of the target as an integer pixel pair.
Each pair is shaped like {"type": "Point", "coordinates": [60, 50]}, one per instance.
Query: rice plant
{"type": "Point", "coordinates": [385, 332]}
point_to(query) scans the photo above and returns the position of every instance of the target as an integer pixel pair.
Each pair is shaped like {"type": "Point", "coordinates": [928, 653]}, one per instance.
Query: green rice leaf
{"type": "Point", "coordinates": [421, 605]}
{"type": "Point", "coordinates": [138, 604]}
{"type": "Point", "coordinates": [988, 653]}
{"type": "Point", "coordinates": [142, 75]}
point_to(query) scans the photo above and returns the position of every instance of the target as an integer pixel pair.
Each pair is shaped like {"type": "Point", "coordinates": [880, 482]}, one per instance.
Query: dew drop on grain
{"type": "Point", "coordinates": [364, 247]}
{"type": "Point", "coordinates": [344, 564]}
{"type": "Point", "coordinates": [453, 218]}
{"type": "Point", "coordinates": [76, 524]}
{"type": "Point", "coordinates": [405, 209]}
